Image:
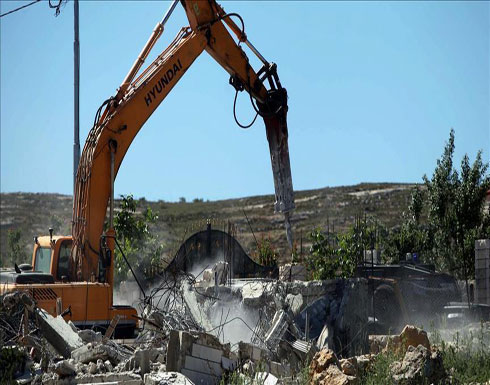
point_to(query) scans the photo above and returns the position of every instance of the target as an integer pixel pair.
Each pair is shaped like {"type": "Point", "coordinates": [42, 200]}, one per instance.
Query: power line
{"type": "Point", "coordinates": [18, 9]}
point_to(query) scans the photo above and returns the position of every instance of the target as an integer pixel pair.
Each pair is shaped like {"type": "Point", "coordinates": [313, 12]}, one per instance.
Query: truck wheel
{"type": "Point", "coordinates": [386, 307]}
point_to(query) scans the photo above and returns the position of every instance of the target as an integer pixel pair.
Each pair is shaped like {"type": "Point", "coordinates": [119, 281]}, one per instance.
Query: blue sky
{"type": "Point", "coordinates": [374, 89]}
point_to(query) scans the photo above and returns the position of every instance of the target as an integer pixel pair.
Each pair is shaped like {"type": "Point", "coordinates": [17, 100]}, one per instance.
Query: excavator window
{"type": "Point", "coordinates": [64, 261]}
{"type": "Point", "coordinates": [43, 260]}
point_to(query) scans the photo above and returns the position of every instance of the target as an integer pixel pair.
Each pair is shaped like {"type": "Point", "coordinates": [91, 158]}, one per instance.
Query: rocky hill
{"type": "Point", "coordinates": [33, 213]}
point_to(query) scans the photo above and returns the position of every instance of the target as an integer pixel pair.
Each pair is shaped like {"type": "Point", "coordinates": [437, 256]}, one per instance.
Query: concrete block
{"type": "Point", "coordinates": [228, 364]}
{"type": "Point", "coordinates": [58, 333]}
{"type": "Point", "coordinates": [200, 378]}
{"type": "Point", "coordinates": [482, 244]}
{"type": "Point", "coordinates": [203, 366]}
{"type": "Point", "coordinates": [296, 272]}
{"type": "Point", "coordinates": [206, 353]}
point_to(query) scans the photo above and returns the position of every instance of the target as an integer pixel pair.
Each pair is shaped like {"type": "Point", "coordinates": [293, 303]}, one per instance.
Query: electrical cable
{"type": "Point", "coordinates": [18, 9]}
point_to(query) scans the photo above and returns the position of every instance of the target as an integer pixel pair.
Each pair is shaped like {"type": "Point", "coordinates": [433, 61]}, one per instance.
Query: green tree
{"type": "Point", "coordinates": [325, 260]}
{"type": "Point", "coordinates": [133, 233]}
{"type": "Point", "coordinates": [456, 216]}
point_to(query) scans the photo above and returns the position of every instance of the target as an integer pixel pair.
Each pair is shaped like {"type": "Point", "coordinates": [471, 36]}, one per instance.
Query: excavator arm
{"type": "Point", "coordinates": [121, 117]}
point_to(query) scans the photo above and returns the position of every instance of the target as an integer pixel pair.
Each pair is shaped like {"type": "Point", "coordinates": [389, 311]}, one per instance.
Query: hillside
{"type": "Point", "coordinates": [33, 214]}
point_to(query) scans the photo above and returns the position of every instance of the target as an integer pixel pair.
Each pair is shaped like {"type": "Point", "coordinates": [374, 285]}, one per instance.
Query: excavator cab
{"type": "Point", "coordinates": [51, 255]}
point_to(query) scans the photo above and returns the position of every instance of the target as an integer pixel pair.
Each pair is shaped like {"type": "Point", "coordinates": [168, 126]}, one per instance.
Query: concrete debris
{"type": "Point", "coordinates": [167, 378]}
{"type": "Point", "coordinates": [92, 352]}
{"type": "Point", "coordinates": [295, 303]}
{"type": "Point", "coordinates": [202, 358]}
{"type": "Point", "coordinates": [88, 335]}
{"type": "Point", "coordinates": [64, 369]}
{"type": "Point", "coordinates": [265, 378]}
{"type": "Point", "coordinates": [205, 329]}
{"type": "Point", "coordinates": [58, 333]}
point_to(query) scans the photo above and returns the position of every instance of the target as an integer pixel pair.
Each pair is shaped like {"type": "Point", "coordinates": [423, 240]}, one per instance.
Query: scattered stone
{"type": "Point", "coordinates": [64, 369]}
{"type": "Point", "coordinates": [419, 364]}
{"type": "Point", "coordinates": [410, 336]}
{"type": "Point", "coordinates": [349, 366]}
{"type": "Point", "coordinates": [322, 360]}
{"type": "Point", "coordinates": [92, 367]}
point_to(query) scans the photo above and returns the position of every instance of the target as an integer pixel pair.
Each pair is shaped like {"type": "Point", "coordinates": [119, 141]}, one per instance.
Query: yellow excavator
{"type": "Point", "coordinates": [78, 270]}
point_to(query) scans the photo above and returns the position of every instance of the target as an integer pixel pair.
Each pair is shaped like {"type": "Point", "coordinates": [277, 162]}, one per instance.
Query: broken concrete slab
{"type": "Point", "coordinates": [64, 369]}
{"type": "Point", "coordinates": [295, 303]}
{"type": "Point", "coordinates": [195, 309]}
{"type": "Point", "coordinates": [264, 378]}
{"type": "Point", "coordinates": [88, 335]}
{"type": "Point", "coordinates": [92, 352]}
{"type": "Point", "coordinates": [254, 293]}
{"type": "Point", "coordinates": [167, 378]}
{"type": "Point", "coordinates": [58, 333]}
{"type": "Point", "coordinates": [124, 378]}
{"type": "Point", "coordinates": [277, 330]}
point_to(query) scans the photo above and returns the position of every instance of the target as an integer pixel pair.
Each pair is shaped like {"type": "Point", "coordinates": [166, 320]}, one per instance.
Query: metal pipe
{"type": "Point", "coordinates": [76, 76]}
{"type": "Point", "coordinates": [257, 53]}
{"type": "Point", "coordinates": [169, 12]}
{"type": "Point", "coordinates": [157, 31]}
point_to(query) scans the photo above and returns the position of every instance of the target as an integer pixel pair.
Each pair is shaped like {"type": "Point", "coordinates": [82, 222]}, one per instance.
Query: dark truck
{"type": "Point", "coordinates": [407, 293]}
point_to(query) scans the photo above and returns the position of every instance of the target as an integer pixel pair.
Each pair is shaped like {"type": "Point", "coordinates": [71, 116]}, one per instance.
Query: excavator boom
{"type": "Point", "coordinates": [121, 117]}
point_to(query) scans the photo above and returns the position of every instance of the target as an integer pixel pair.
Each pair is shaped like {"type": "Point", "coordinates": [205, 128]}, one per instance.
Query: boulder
{"type": "Point", "coordinates": [419, 365]}
{"type": "Point", "coordinates": [322, 360]}
{"type": "Point", "coordinates": [349, 366]}
{"type": "Point", "coordinates": [332, 376]}
{"type": "Point", "coordinates": [410, 336]}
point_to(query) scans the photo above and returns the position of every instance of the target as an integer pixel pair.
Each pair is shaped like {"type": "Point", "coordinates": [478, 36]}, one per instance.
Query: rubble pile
{"type": "Point", "coordinates": [199, 330]}
{"type": "Point", "coordinates": [419, 362]}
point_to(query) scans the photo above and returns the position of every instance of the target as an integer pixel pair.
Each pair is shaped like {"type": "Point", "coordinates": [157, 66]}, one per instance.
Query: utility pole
{"type": "Point", "coordinates": [76, 131]}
